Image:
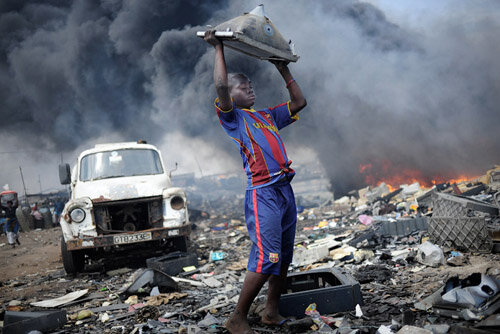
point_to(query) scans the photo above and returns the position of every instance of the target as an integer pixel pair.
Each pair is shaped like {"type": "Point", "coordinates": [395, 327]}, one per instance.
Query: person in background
{"type": "Point", "coordinates": [3, 222]}
{"type": "Point", "coordinates": [58, 209]}
{"type": "Point", "coordinates": [12, 227]}
{"type": "Point", "coordinates": [37, 216]}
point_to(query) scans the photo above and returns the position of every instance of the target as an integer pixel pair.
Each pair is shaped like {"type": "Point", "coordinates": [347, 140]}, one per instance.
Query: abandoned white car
{"type": "Point", "coordinates": [121, 198]}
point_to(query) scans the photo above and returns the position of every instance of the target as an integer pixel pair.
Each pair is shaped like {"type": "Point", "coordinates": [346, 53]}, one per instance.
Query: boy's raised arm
{"type": "Point", "coordinates": [297, 99]}
{"type": "Point", "coordinates": [220, 71]}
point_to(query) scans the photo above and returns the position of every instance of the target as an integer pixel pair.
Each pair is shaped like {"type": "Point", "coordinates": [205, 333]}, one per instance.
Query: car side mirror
{"type": "Point", "coordinates": [172, 170]}
{"type": "Point", "coordinates": [64, 174]}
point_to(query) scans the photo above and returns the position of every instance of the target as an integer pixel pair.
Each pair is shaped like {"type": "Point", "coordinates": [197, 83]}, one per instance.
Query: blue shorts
{"type": "Point", "coordinates": [271, 218]}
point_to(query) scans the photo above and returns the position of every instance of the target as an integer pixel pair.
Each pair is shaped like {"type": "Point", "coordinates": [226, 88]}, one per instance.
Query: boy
{"type": "Point", "coordinates": [270, 210]}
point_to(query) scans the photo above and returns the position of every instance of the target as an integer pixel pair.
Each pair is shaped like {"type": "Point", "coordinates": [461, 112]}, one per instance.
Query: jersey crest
{"type": "Point", "coordinates": [274, 257]}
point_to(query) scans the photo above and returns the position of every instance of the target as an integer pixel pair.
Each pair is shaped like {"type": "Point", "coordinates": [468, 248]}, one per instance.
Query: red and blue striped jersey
{"type": "Point", "coordinates": [256, 133]}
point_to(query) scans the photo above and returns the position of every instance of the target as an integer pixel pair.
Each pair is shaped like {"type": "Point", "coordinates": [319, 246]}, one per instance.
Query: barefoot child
{"type": "Point", "coordinates": [270, 210]}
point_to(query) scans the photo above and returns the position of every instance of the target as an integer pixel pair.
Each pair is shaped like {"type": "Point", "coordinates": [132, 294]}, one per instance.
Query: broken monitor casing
{"type": "Point", "coordinates": [331, 289]}
{"type": "Point", "coordinates": [255, 35]}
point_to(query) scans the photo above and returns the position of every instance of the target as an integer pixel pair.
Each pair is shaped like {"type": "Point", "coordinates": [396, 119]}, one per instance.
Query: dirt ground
{"type": "Point", "coordinates": [39, 251]}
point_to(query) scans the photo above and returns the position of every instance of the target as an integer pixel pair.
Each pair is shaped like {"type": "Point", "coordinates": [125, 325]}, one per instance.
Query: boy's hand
{"type": "Point", "coordinates": [280, 64]}
{"type": "Point", "coordinates": [211, 39]}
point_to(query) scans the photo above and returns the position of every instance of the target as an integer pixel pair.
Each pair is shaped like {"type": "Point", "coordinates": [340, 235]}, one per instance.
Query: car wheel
{"type": "Point", "coordinates": [73, 261]}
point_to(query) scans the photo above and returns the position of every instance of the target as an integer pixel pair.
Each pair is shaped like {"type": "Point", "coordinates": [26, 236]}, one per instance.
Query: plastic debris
{"type": "Point", "coordinates": [104, 317]}
{"type": "Point", "coordinates": [384, 330]}
{"type": "Point", "coordinates": [217, 256]}
{"type": "Point", "coordinates": [61, 300]}
{"type": "Point", "coordinates": [473, 290]}
{"type": "Point", "coordinates": [430, 254]}
{"type": "Point", "coordinates": [83, 314]}
{"type": "Point", "coordinates": [359, 312]}
{"type": "Point", "coordinates": [208, 321]}
{"type": "Point", "coordinates": [365, 220]}
{"type": "Point", "coordinates": [314, 314]}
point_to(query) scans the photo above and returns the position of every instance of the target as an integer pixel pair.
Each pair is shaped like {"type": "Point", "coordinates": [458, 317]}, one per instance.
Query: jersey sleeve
{"type": "Point", "coordinates": [282, 115]}
{"type": "Point", "coordinates": [227, 118]}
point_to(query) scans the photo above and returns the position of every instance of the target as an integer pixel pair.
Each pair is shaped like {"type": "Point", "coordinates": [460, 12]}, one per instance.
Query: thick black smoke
{"type": "Point", "coordinates": [377, 92]}
{"type": "Point", "coordinates": [71, 71]}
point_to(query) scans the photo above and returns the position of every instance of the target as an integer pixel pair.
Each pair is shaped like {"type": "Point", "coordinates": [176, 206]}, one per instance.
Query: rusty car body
{"type": "Point", "coordinates": [121, 196]}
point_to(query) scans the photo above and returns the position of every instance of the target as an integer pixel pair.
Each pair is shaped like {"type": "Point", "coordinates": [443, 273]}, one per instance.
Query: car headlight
{"type": "Point", "coordinates": [77, 215]}
{"type": "Point", "coordinates": [177, 202]}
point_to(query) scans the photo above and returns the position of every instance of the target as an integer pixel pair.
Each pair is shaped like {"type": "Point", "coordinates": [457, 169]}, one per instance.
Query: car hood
{"type": "Point", "coordinates": [122, 188]}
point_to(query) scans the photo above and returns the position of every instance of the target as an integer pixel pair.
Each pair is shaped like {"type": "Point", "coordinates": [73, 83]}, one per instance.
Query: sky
{"type": "Point", "coordinates": [405, 87]}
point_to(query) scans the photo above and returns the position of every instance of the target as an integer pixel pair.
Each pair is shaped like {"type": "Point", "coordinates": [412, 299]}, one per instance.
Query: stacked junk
{"type": "Point", "coordinates": [413, 260]}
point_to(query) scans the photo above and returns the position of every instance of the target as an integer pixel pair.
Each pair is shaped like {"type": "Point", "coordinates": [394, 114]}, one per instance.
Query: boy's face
{"type": "Point", "coordinates": [242, 94]}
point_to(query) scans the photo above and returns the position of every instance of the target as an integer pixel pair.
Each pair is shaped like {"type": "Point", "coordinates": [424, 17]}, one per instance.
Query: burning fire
{"type": "Point", "coordinates": [393, 177]}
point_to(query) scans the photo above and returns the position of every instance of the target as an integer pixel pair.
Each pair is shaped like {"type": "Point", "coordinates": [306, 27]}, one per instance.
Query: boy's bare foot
{"type": "Point", "coordinates": [273, 319]}
{"type": "Point", "coordinates": [238, 325]}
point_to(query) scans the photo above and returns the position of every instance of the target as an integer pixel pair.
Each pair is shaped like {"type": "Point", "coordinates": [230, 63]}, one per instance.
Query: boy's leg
{"type": "Point", "coordinates": [263, 225]}
{"type": "Point", "coordinates": [277, 283]}
{"type": "Point", "coordinates": [238, 322]}
{"type": "Point", "coordinates": [271, 314]}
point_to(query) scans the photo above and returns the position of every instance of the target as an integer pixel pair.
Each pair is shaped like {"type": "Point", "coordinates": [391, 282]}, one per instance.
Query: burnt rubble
{"type": "Point", "coordinates": [384, 261]}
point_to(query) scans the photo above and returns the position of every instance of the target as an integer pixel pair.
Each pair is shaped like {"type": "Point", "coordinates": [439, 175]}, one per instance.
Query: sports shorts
{"type": "Point", "coordinates": [271, 218]}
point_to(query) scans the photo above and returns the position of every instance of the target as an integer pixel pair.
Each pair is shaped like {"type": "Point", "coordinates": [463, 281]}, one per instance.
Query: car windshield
{"type": "Point", "coordinates": [119, 163]}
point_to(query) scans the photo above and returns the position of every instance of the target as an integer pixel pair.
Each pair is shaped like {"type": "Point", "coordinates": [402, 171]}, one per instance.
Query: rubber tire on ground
{"type": "Point", "coordinates": [73, 261]}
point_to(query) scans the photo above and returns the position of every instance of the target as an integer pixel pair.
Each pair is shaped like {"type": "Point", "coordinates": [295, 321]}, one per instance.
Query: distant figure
{"type": "Point", "coordinates": [37, 216]}
{"type": "Point", "coordinates": [270, 210]}
{"type": "Point", "coordinates": [12, 224]}
{"type": "Point", "coordinates": [58, 209]}
{"type": "Point", "coordinates": [3, 222]}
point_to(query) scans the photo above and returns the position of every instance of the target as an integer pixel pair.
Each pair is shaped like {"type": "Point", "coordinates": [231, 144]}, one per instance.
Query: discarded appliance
{"type": "Point", "coordinates": [390, 227]}
{"type": "Point", "coordinates": [475, 301]}
{"type": "Point", "coordinates": [460, 222]}
{"type": "Point", "coordinates": [474, 290]}
{"type": "Point", "coordinates": [330, 289]}
{"type": "Point", "coordinates": [402, 227]}
{"type": "Point", "coordinates": [25, 322]}
{"type": "Point", "coordinates": [151, 278]}
{"type": "Point", "coordinates": [255, 35]}
{"type": "Point", "coordinates": [172, 263]}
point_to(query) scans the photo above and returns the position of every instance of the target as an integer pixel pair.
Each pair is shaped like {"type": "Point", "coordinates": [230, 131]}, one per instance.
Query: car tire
{"type": "Point", "coordinates": [73, 261]}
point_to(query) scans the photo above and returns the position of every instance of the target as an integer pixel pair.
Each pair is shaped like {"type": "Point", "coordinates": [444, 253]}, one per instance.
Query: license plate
{"type": "Point", "coordinates": [131, 238]}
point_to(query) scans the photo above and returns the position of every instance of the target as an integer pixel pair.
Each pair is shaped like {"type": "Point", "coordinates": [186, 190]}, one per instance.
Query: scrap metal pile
{"type": "Point", "coordinates": [413, 260]}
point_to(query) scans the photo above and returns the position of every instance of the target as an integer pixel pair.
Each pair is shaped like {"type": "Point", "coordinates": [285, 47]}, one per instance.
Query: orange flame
{"type": "Point", "coordinates": [393, 177]}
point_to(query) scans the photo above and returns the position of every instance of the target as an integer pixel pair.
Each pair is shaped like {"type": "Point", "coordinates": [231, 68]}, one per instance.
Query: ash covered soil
{"type": "Point", "coordinates": [33, 272]}
{"type": "Point", "coordinates": [38, 255]}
